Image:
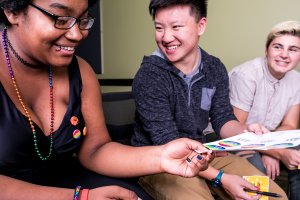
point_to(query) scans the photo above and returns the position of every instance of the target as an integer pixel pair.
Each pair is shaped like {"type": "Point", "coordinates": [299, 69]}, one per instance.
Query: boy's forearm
{"type": "Point", "coordinates": [275, 153]}
{"type": "Point", "coordinates": [232, 128]}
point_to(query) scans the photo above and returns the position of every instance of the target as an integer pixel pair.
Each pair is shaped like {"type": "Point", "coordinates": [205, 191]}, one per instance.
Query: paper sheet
{"type": "Point", "coordinates": [251, 141]}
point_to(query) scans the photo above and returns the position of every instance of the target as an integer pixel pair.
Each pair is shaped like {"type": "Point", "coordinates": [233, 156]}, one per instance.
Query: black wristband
{"type": "Point", "coordinates": [216, 182]}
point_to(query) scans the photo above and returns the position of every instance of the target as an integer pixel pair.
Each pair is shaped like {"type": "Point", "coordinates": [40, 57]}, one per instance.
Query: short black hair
{"type": "Point", "coordinates": [198, 7]}
{"type": "Point", "coordinates": [18, 5]}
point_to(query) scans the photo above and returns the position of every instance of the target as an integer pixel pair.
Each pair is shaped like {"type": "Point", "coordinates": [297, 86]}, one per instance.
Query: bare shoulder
{"type": "Point", "coordinates": [84, 66]}
{"type": "Point", "coordinates": [88, 75]}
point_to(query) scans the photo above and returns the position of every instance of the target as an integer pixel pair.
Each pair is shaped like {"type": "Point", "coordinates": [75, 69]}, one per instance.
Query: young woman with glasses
{"type": "Point", "coordinates": [53, 139]}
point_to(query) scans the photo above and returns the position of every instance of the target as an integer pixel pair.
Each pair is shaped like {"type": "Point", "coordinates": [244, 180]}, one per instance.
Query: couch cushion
{"type": "Point", "coordinates": [119, 111]}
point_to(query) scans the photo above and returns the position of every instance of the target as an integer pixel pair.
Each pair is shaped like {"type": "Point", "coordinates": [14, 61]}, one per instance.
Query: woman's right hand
{"type": "Point", "coordinates": [112, 192]}
{"type": "Point", "coordinates": [179, 157]}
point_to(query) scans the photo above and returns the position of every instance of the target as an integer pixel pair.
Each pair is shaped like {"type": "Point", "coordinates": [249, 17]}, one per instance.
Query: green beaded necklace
{"type": "Point", "coordinates": [4, 40]}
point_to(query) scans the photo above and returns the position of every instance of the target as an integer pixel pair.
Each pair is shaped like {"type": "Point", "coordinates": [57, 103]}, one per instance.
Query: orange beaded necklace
{"type": "Point", "coordinates": [14, 81]}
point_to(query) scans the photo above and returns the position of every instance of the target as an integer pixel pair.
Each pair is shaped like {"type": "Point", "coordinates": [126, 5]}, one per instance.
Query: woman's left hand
{"type": "Point", "coordinates": [179, 157]}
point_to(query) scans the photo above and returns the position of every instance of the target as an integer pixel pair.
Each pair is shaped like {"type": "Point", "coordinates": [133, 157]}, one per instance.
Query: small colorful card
{"type": "Point", "coordinates": [261, 182]}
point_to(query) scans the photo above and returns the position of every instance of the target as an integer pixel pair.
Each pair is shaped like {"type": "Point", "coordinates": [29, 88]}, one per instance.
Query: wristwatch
{"type": "Point", "coordinates": [216, 182]}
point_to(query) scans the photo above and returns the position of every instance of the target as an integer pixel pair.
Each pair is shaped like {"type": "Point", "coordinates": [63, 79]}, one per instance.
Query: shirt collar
{"type": "Point", "coordinates": [268, 74]}
{"type": "Point", "coordinates": [198, 66]}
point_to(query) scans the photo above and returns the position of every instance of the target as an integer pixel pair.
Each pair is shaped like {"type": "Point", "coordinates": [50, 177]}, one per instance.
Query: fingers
{"type": "Point", "coordinates": [122, 193]}
{"type": "Point", "coordinates": [292, 167]}
{"type": "Point", "coordinates": [112, 192]}
{"type": "Point", "coordinates": [209, 155]}
{"type": "Point", "coordinates": [199, 155]}
{"type": "Point", "coordinates": [272, 166]}
{"type": "Point", "coordinates": [221, 153]}
{"type": "Point", "coordinates": [264, 129]}
{"type": "Point", "coordinates": [277, 171]}
{"type": "Point", "coordinates": [254, 197]}
{"type": "Point", "coordinates": [202, 149]}
{"type": "Point", "coordinates": [273, 173]}
{"type": "Point", "coordinates": [257, 129]}
{"type": "Point", "coordinates": [249, 185]}
{"type": "Point", "coordinates": [268, 171]}
{"type": "Point", "coordinates": [201, 161]}
{"type": "Point", "coordinates": [202, 164]}
{"type": "Point", "coordinates": [251, 194]}
{"type": "Point", "coordinates": [204, 152]}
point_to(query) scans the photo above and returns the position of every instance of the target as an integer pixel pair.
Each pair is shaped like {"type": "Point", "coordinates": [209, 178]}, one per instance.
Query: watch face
{"type": "Point", "coordinates": [216, 183]}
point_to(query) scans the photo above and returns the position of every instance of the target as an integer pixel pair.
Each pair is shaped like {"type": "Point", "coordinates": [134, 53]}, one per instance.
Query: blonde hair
{"type": "Point", "coordinates": [283, 28]}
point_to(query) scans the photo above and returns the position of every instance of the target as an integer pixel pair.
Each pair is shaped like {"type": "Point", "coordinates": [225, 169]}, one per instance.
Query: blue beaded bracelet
{"type": "Point", "coordinates": [77, 192]}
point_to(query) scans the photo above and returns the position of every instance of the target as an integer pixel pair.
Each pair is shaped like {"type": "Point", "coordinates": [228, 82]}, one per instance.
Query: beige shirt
{"type": "Point", "coordinates": [267, 99]}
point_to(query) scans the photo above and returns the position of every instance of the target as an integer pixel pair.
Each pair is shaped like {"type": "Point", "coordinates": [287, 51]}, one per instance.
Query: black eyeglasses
{"type": "Point", "coordinates": [67, 22]}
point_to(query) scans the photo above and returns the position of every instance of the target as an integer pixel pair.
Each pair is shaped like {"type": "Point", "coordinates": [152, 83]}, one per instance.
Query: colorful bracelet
{"type": "Point", "coordinates": [84, 194]}
{"type": "Point", "coordinates": [77, 192]}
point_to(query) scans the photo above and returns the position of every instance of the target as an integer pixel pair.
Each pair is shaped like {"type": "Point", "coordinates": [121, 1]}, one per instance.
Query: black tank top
{"type": "Point", "coordinates": [18, 157]}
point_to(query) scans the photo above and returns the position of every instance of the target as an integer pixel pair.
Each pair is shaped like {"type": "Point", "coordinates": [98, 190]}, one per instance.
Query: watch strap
{"type": "Point", "coordinates": [216, 182]}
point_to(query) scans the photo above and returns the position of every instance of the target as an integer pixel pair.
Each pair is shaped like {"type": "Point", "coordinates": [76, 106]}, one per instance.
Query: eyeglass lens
{"type": "Point", "coordinates": [68, 22]}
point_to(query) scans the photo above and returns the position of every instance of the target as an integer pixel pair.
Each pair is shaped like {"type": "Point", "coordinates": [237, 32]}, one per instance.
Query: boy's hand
{"type": "Point", "coordinates": [257, 129]}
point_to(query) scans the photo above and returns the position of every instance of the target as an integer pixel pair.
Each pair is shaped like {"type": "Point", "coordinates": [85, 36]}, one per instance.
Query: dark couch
{"type": "Point", "coordinates": [119, 111]}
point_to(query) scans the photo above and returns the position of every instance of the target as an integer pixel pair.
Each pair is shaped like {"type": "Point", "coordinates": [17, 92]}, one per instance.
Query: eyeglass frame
{"type": "Point", "coordinates": [55, 17]}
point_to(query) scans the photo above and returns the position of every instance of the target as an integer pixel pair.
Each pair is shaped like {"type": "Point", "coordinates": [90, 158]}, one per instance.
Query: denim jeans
{"type": "Point", "coordinates": [256, 160]}
{"type": "Point", "coordinates": [294, 185]}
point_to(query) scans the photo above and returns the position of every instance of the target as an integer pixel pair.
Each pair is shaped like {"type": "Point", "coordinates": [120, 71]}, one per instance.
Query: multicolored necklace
{"type": "Point", "coordinates": [14, 81]}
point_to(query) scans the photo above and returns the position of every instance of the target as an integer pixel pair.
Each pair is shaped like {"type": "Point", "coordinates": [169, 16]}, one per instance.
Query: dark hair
{"type": "Point", "coordinates": [198, 7]}
{"type": "Point", "coordinates": [19, 5]}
